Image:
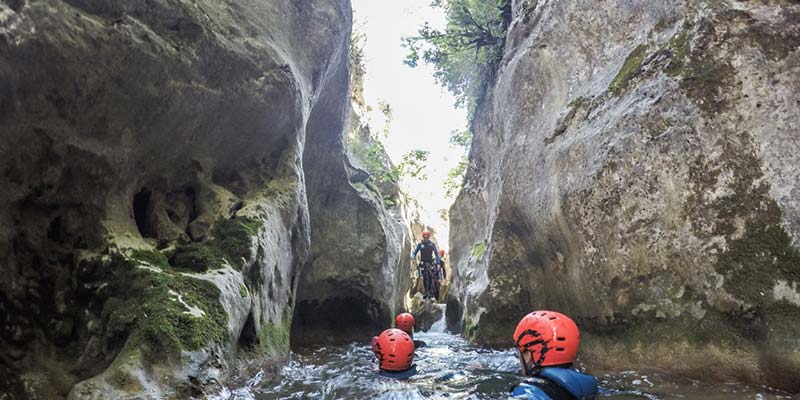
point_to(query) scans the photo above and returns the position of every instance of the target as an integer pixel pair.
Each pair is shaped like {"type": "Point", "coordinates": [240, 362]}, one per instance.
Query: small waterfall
{"type": "Point", "coordinates": [440, 326]}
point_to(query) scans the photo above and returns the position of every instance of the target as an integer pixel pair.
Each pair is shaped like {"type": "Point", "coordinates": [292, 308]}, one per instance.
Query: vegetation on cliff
{"type": "Point", "coordinates": [466, 54]}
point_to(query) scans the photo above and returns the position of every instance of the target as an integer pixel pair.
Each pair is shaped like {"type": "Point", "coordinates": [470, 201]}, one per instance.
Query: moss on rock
{"type": "Point", "coordinates": [759, 251]}
{"type": "Point", "coordinates": [679, 47]}
{"type": "Point", "coordinates": [273, 338]}
{"type": "Point", "coordinates": [477, 250]}
{"type": "Point", "coordinates": [702, 74]}
{"type": "Point", "coordinates": [161, 312]}
{"type": "Point", "coordinates": [198, 257]}
{"type": "Point", "coordinates": [231, 241]}
{"type": "Point", "coordinates": [630, 69]}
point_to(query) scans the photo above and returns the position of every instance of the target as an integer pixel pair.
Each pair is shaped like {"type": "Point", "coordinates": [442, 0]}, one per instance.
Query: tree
{"type": "Point", "coordinates": [413, 164]}
{"type": "Point", "coordinates": [455, 178]}
{"type": "Point", "coordinates": [466, 55]}
{"type": "Point", "coordinates": [386, 109]}
{"type": "Point", "coordinates": [461, 139]}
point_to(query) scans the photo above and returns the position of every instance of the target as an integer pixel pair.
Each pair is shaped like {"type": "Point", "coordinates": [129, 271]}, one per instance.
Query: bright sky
{"type": "Point", "coordinates": [423, 112]}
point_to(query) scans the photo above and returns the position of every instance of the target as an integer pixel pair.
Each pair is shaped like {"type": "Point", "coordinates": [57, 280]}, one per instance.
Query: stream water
{"type": "Point", "coordinates": [450, 368]}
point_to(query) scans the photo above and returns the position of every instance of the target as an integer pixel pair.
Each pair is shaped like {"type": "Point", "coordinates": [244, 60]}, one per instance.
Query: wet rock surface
{"type": "Point", "coordinates": [157, 160]}
{"type": "Point", "coordinates": [425, 311]}
{"type": "Point", "coordinates": [634, 166]}
{"type": "Point", "coordinates": [357, 277]}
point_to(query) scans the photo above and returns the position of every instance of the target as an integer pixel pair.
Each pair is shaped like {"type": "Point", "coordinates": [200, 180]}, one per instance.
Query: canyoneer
{"type": "Point", "coordinates": [428, 255]}
{"type": "Point", "coordinates": [405, 322]}
{"type": "Point", "coordinates": [438, 274]}
{"type": "Point", "coordinates": [394, 350]}
{"type": "Point", "coordinates": [547, 345]}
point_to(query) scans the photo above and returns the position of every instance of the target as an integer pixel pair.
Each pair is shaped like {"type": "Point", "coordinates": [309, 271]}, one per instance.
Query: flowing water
{"type": "Point", "coordinates": [450, 368]}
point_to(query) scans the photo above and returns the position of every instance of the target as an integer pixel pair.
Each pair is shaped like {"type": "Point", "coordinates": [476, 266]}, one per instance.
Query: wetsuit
{"type": "Point", "coordinates": [428, 253]}
{"type": "Point", "coordinates": [437, 276]}
{"type": "Point", "coordinates": [557, 383]}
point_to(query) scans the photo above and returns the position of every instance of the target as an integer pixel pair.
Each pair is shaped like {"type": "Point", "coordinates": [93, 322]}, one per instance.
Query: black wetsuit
{"type": "Point", "coordinates": [429, 256]}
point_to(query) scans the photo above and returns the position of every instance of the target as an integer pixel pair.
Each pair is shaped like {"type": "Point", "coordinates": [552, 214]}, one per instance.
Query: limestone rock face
{"type": "Point", "coordinates": [358, 275]}
{"type": "Point", "coordinates": [153, 212]}
{"type": "Point", "coordinates": [635, 165]}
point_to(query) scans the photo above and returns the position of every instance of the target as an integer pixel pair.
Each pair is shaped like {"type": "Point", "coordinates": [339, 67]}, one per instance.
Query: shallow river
{"type": "Point", "coordinates": [450, 368]}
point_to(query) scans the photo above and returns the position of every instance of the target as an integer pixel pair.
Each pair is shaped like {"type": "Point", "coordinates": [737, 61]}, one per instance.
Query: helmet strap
{"type": "Point", "coordinates": [535, 365]}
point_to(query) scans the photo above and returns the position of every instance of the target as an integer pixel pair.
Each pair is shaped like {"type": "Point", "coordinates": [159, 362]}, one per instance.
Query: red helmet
{"type": "Point", "coordinates": [404, 322]}
{"type": "Point", "coordinates": [441, 253]}
{"type": "Point", "coordinates": [426, 235]}
{"type": "Point", "coordinates": [546, 338]}
{"type": "Point", "coordinates": [394, 350]}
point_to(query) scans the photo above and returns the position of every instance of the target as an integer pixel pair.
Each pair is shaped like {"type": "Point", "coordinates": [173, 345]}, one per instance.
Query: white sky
{"type": "Point", "coordinates": [423, 112]}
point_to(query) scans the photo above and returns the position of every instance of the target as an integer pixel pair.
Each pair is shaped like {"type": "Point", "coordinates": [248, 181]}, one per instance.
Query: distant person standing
{"type": "Point", "coordinates": [439, 274]}
{"type": "Point", "coordinates": [428, 255]}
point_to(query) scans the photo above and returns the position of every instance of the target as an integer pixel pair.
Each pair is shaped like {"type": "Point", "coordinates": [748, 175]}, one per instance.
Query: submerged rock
{"type": "Point", "coordinates": [635, 166]}
{"type": "Point", "coordinates": [425, 311]}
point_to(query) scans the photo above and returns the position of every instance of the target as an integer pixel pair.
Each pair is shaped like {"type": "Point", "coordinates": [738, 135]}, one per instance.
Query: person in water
{"type": "Point", "coordinates": [438, 275]}
{"type": "Point", "coordinates": [405, 322]}
{"type": "Point", "coordinates": [547, 344]}
{"type": "Point", "coordinates": [428, 254]}
{"type": "Point", "coordinates": [394, 350]}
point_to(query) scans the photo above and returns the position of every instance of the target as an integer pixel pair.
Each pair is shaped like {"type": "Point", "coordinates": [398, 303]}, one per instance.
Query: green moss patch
{"type": "Point", "coordinates": [754, 262]}
{"type": "Point", "coordinates": [759, 252]}
{"type": "Point", "coordinates": [679, 47]}
{"type": "Point", "coordinates": [198, 257]}
{"type": "Point", "coordinates": [163, 312]}
{"type": "Point", "coordinates": [281, 191]}
{"type": "Point", "coordinates": [630, 69]}
{"type": "Point", "coordinates": [232, 240]}
{"type": "Point", "coordinates": [477, 250]}
{"type": "Point", "coordinates": [702, 76]}
{"type": "Point", "coordinates": [756, 258]}
{"type": "Point", "coordinates": [273, 338]}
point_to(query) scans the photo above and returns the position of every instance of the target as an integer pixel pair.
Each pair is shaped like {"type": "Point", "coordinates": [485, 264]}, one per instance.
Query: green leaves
{"type": "Point", "coordinates": [465, 56]}
{"type": "Point", "coordinates": [455, 178]}
{"type": "Point", "coordinates": [461, 139]}
{"type": "Point", "coordinates": [413, 164]}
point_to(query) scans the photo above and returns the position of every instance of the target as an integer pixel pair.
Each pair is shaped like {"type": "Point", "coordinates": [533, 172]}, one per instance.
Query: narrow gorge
{"type": "Point", "coordinates": [189, 204]}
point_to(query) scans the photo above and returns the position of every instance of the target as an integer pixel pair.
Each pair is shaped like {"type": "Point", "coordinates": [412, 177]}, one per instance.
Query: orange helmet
{"type": "Point", "coordinates": [426, 235]}
{"type": "Point", "coordinates": [404, 322]}
{"type": "Point", "coordinates": [441, 253]}
{"type": "Point", "coordinates": [394, 350]}
{"type": "Point", "coordinates": [546, 338]}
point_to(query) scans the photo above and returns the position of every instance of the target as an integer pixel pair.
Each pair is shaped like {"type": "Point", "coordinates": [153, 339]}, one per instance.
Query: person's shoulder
{"type": "Point", "coordinates": [577, 383]}
{"type": "Point", "coordinates": [528, 390]}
